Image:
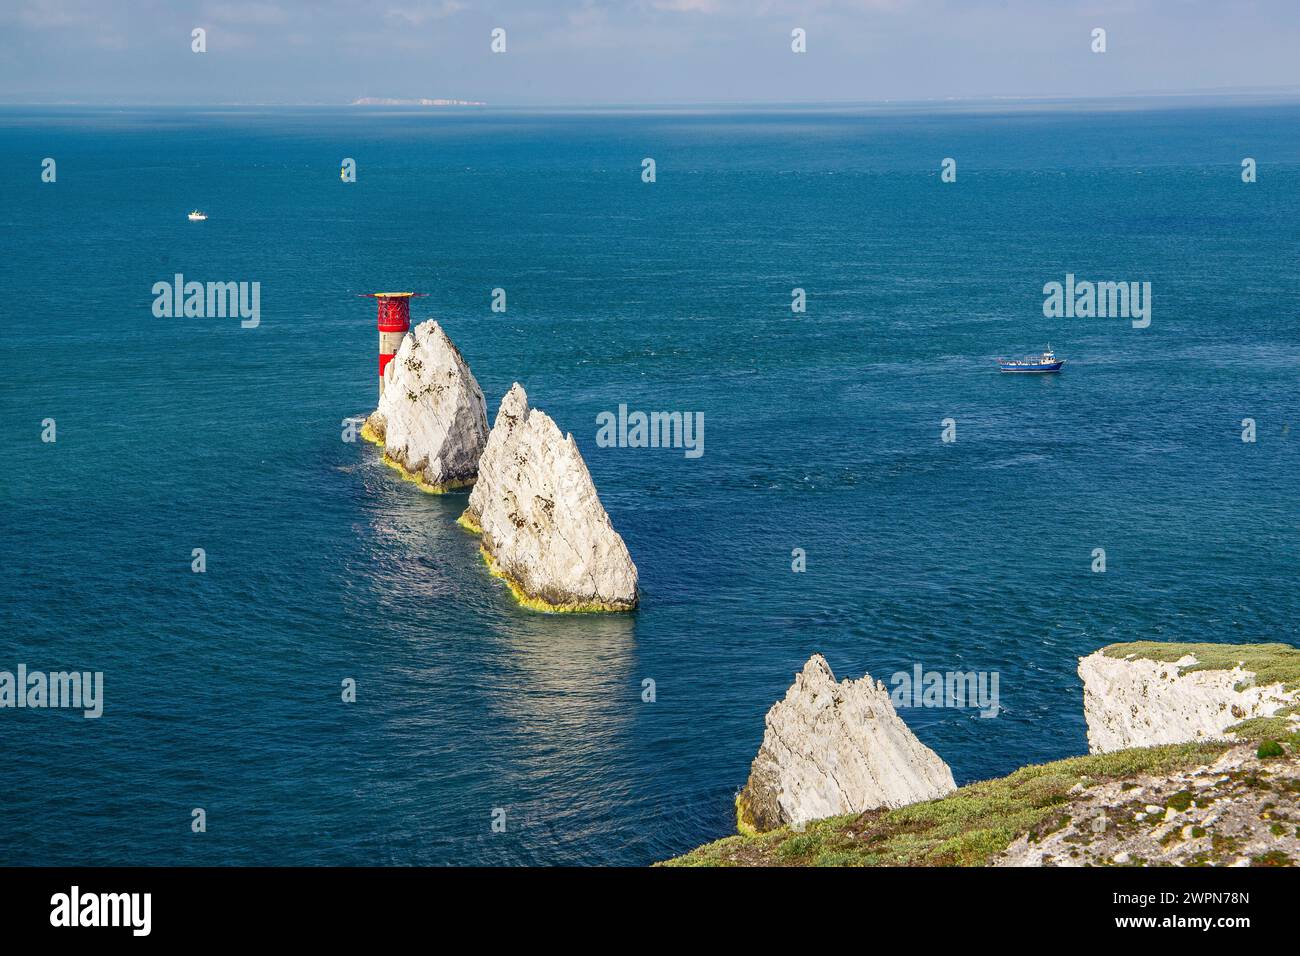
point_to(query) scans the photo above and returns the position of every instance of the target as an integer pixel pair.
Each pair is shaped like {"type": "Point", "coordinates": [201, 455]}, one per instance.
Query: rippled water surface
{"type": "Point", "coordinates": [822, 432]}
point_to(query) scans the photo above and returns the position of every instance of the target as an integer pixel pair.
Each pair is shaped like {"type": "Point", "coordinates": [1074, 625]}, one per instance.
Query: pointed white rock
{"type": "Point", "coordinates": [544, 528]}
{"type": "Point", "coordinates": [830, 749]}
{"type": "Point", "coordinates": [431, 419]}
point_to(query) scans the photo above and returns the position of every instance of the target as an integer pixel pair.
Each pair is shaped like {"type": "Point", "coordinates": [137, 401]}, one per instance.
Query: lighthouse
{"type": "Point", "coordinates": [394, 323]}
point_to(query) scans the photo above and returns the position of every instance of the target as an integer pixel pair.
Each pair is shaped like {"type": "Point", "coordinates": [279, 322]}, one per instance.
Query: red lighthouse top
{"type": "Point", "coordinates": [394, 309]}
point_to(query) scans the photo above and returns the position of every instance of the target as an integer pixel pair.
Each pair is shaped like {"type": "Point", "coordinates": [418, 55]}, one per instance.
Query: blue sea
{"type": "Point", "coordinates": [222, 690]}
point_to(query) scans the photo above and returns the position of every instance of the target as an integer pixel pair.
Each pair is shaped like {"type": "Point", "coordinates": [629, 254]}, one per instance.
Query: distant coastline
{"type": "Point", "coordinates": [384, 101]}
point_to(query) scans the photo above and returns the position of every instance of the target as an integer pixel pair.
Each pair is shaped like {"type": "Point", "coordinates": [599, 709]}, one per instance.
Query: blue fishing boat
{"type": "Point", "coordinates": [1047, 362]}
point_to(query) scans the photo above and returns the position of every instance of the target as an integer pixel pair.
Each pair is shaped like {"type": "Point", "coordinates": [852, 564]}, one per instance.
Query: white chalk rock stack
{"type": "Point", "coordinates": [1145, 694]}
{"type": "Point", "coordinates": [831, 749]}
{"type": "Point", "coordinates": [431, 419]}
{"type": "Point", "coordinates": [544, 529]}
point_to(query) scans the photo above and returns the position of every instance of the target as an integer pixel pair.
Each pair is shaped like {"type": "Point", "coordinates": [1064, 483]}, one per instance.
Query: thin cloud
{"type": "Point", "coordinates": [686, 6]}
{"type": "Point", "coordinates": [424, 13]}
{"type": "Point", "coordinates": [246, 14]}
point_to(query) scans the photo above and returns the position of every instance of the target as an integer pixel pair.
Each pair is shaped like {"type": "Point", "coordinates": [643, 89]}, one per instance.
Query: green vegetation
{"type": "Point", "coordinates": [1271, 858]}
{"type": "Point", "coordinates": [966, 828]}
{"type": "Point", "coordinates": [1260, 729]}
{"type": "Point", "coordinates": [1270, 663]}
{"type": "Point", "coordinates": [1269, 748]}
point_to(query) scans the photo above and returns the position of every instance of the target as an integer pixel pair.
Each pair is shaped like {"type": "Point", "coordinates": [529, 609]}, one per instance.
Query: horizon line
{"type": "Point", "coordinates": [1283, 93]}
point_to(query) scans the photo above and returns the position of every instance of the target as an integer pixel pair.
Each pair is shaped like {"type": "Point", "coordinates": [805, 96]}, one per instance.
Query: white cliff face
{"type": "Point", "coordinates": [544, 528]}
{"type": "Point", "coordinates": [831, 749]}
{"type": "Point", "coordinates": [431, 419]}
{"type": "Point", "coordinates": [1132, 701]}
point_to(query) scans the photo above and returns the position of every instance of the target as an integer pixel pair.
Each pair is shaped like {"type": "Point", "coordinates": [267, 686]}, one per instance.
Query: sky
{"type": "Point", "coordinates": [629, 52]}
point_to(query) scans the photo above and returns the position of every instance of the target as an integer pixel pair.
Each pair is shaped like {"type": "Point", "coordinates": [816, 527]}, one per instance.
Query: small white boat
{"type": "Point", "coordinates": [1047, 362]}
{"type": "Point", "coordinates": [197, 216]}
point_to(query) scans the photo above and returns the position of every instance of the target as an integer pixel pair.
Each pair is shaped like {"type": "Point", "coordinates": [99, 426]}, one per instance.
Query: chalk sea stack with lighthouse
{"type": "Point", "coordinates": [431, 420]}
{"type": "Point", "coordinates": [544, 530]}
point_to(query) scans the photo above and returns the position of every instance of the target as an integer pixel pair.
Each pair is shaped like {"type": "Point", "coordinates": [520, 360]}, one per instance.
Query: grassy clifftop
{"type": "Point", "coordinates": [1136, 791]}
{"type": "Point", "coordinates": [966, 828]}
{"type": "Point", "coordinates": [1270, 663]}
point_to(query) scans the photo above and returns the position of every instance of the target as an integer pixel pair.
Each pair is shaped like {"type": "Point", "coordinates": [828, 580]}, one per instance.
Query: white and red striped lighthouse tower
{"type": "Point", "coordinates": [394, 322]}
